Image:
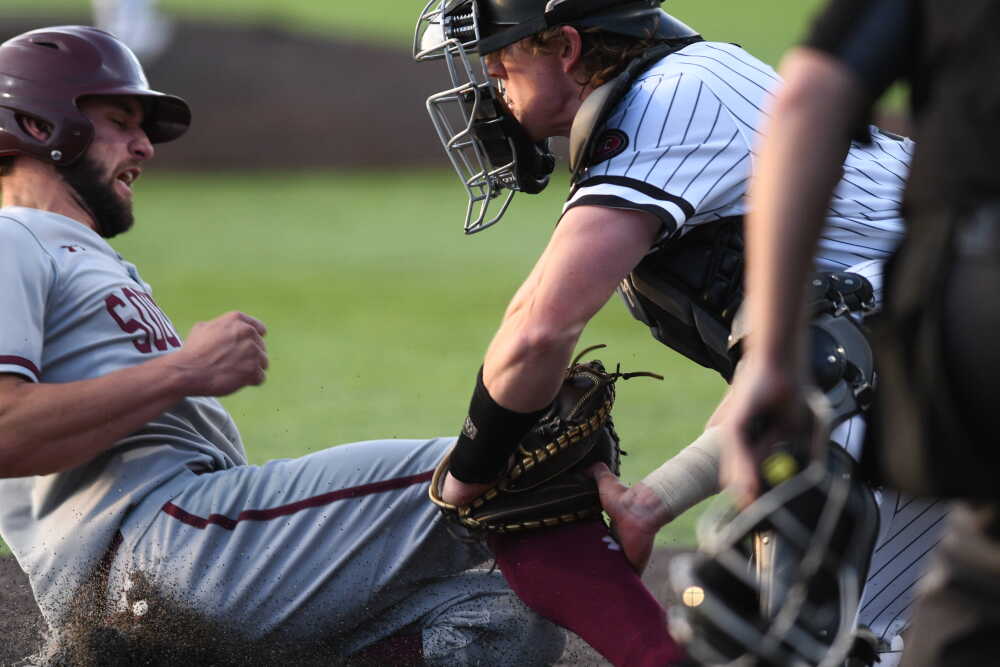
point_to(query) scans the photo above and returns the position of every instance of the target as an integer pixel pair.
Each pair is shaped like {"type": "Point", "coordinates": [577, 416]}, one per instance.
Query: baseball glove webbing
{"type": "Point", "coordinates": [545, 482]}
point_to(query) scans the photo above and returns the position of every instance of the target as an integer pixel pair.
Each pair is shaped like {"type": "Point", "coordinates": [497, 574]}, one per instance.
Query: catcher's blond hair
{"type": "Point", "coordinates": [604, 54]}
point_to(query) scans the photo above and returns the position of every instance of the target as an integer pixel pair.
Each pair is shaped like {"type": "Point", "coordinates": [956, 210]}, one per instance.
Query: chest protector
{"type": "Point", "coordinates": [687, 290]}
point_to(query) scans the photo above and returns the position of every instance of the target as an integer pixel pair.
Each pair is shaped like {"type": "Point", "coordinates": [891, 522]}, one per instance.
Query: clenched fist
{"type": "Point", "coordinates": [223, 355]}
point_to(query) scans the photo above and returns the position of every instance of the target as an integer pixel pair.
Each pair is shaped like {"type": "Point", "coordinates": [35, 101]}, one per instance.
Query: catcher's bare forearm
{"type": "Point", "coordinates": [590, 252]}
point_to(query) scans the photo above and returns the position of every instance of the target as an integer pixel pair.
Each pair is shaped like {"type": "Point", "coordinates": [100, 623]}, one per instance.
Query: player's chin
{"type": "Point", "coordinates": [537, 126]}
{"type": "Point", "coordinates": [536, 131]}
{"type": "Point", "coordinates": [116, 219]}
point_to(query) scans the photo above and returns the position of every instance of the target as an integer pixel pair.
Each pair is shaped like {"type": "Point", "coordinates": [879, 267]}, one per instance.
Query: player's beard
{"type": "Point", "coordinates": [111, 213]}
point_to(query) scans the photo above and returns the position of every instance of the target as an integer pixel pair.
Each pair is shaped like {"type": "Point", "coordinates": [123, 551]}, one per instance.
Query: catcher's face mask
{"type": "Point", "coordinates": [488, 147]}
{"type": "Point", "coordinates": [486, 144]}
{"type": "Point", "coordinates": [778, 584]}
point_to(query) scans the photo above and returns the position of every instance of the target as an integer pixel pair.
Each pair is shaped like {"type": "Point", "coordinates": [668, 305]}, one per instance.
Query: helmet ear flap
{"type": "Point", "coordinates": [67, 138]}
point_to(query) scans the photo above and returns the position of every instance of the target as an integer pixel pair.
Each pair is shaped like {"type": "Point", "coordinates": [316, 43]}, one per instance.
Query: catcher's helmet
{"type": "Point", "coordinates": [485, 143]}
{"type": "Point", "coordinates": [43, 75]}
{"type": "Point", "coordinates": [778, 584]}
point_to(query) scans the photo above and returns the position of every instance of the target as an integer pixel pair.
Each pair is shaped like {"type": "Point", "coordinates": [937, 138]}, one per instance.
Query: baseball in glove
{"type": "Point", "coordinates": [545, 483]}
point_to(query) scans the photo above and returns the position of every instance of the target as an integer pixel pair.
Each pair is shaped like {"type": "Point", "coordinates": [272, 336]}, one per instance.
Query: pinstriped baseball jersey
{"type": "Point", "coordinates": [680, 145]}
{"type": "Point", "coordinates": [74, 309]}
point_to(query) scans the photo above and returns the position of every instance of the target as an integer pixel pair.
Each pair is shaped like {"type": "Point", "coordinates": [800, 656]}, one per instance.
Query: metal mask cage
{"type": "Point", "coordinates": [776, 639]}
{"type": "Point", "coordinates": [442, 33]}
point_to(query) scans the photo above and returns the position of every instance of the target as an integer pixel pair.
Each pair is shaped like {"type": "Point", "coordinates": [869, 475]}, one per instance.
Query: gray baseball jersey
{"type": "Point", "coordinates": [342, 542]}
{"type": "Point", "coordinates": [680, 145]}
{"type": "Point", "coordinates": [73, 310]}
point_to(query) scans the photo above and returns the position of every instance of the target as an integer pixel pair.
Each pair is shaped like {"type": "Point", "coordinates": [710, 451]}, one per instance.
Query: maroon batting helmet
{"type": "Point", "coordinates": [43, 75]}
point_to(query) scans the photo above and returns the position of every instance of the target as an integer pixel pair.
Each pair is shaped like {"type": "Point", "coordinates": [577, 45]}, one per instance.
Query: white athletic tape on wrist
{"type": "Point", "coordinates": [691, 476]}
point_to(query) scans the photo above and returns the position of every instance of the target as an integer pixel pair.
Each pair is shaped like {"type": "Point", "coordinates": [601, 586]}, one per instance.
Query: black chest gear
{"type": "Point", "coordinates": [687, 291]}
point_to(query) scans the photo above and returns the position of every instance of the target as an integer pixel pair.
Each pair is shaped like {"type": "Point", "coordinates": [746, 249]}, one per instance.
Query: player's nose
{"type": "Point", "coordinates": [141, 147]}
{"type": "Point", "coordinates": [495, 68]}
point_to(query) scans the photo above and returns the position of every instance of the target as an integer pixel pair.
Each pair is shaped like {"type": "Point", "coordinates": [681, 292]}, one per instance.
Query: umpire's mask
{"type": "Point", "coordinates": [778, 584]}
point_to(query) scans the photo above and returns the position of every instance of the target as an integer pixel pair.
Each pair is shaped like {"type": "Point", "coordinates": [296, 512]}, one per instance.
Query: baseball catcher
{"type": "Point", "coordinates": [662, 126]}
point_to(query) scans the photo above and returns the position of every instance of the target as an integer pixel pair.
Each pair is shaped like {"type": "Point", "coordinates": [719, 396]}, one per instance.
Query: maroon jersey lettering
{"type": "Point", "coordinates": [171, 336]}
{"type": "Point", "coordinates": [137, 312]}
{"type": "Point", "coordinates": [129, 326]}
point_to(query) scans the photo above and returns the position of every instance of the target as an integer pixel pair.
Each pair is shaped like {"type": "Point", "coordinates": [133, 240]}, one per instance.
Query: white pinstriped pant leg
{"type": "Point", "coordinates": [911, 529]}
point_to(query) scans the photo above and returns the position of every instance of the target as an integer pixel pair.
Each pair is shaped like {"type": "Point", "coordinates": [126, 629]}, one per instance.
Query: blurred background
{"type": "Point", "coordinates": [312, 193]}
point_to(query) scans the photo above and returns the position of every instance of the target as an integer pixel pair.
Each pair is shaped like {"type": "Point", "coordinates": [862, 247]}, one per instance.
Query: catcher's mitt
{"type": "Point", "coordinates": [545, 484]}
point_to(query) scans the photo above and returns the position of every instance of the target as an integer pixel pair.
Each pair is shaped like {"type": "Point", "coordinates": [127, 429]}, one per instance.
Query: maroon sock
{"type": "Point", "coordinates": [575, 576]}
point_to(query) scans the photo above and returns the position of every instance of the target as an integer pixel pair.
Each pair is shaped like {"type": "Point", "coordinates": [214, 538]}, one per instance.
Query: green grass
{"type": "Point", "coordinates": [379, 309]}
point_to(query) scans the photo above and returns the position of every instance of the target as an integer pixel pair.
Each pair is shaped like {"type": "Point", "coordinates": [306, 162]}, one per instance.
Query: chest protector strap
{"type": "Point", "coordinates": [597, 108]}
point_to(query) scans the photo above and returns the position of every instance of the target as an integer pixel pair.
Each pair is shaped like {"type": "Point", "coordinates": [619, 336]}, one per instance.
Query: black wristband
{"type": "Point", "coordinates": [489, 436]}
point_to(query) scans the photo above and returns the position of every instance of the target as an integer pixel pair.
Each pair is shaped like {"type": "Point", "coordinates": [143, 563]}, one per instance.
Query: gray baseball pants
{"type": "Point", "coordinates": [340, 545]}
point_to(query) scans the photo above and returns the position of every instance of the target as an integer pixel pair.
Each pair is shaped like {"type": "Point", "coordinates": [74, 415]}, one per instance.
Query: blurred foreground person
{"type": "Point", "coordinates": [126, 496]}
{"type": "Point", "coordinates": [935, 415]}
{"type": "Point", "coordinates": [661, 127]}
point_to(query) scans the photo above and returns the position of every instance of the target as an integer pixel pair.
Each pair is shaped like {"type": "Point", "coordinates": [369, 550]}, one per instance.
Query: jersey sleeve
{"type": "Point", "coordinates": [671, 149]}
{"type": "Point", "coordinates": [27, 273]}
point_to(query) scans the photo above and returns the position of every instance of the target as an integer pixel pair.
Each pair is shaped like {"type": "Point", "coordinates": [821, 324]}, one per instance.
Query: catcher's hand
{"type": "Point", "coordinates": [546, 483]}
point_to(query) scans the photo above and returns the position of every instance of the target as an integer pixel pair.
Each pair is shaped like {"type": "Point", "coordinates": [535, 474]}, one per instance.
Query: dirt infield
{"type": "Point", "coordinates": [21, 623]}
